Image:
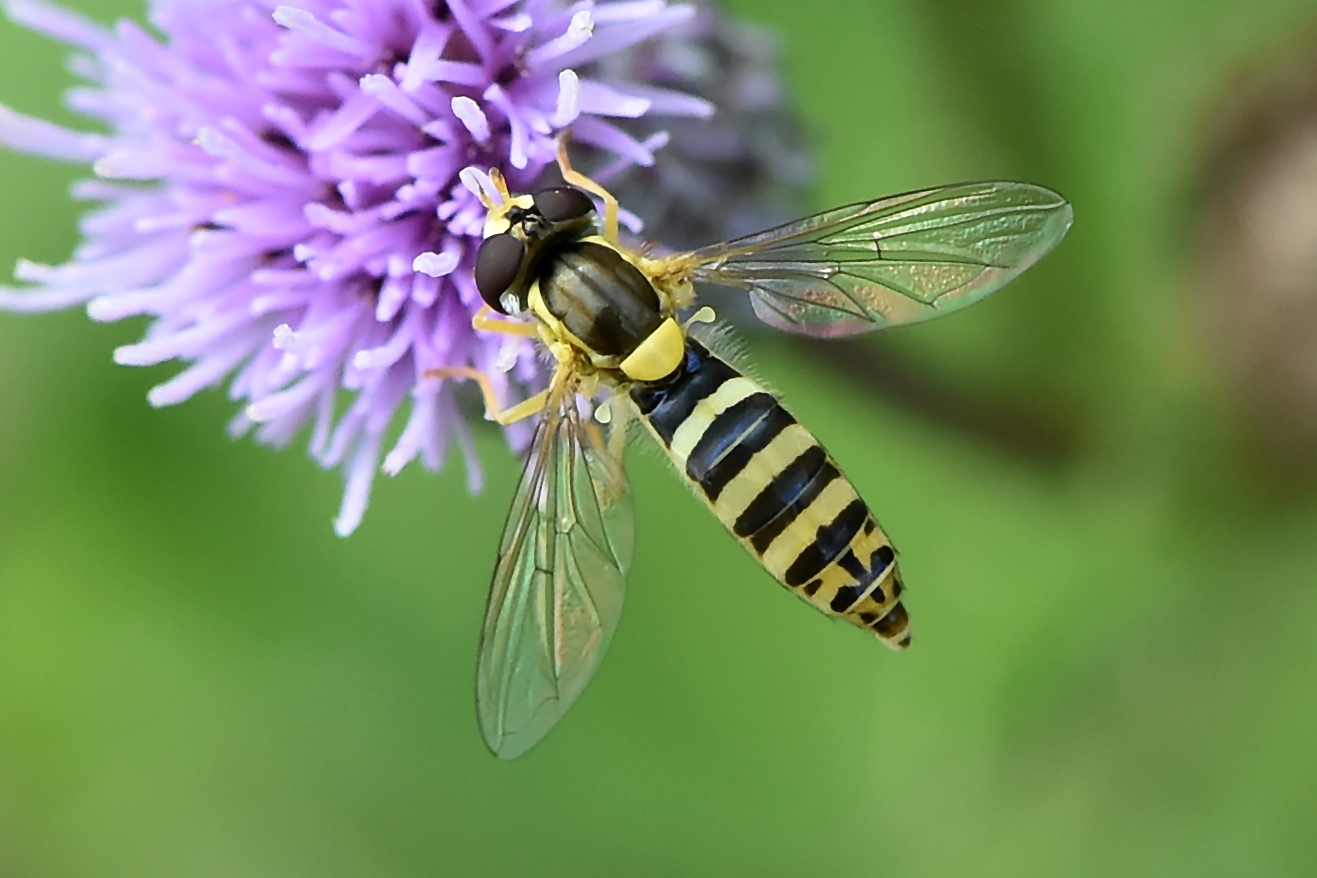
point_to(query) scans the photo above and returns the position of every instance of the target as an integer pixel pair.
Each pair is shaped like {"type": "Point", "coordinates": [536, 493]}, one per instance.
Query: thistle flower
{"type": "Point", "coordinates": [741, 171]}
{"type": "Point", "coordinates": [280, 192]}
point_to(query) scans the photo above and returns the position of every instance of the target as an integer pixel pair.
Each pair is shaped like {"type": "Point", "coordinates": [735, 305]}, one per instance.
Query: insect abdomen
{"type": "Point", "coordinates": [776, 489]}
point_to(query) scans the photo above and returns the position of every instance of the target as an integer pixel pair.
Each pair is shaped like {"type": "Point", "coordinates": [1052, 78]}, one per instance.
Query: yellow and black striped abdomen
{"type": "Point", "coordinates": [777, 490]}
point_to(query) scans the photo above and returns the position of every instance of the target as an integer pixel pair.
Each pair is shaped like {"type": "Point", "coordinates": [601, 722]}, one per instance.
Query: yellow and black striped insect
{"type": "Point", "coordinates": [609, 317]}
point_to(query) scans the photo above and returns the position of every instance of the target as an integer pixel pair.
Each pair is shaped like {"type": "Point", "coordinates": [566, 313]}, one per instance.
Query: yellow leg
{"type": "Point", "coordinates": [576, 178]}
{"type": "Point", "coordinates": [596, 436]}
{"type": "Point", "coordinates": [609, 454]}
{"type": "Point", "coordinates": [483, 321]}
{"type": "Point", "coordinates": [503, 416]}
{"type": "Point", "coordinates": [617, 436]}
{"type": "Point", "coordinates": [500, 184]}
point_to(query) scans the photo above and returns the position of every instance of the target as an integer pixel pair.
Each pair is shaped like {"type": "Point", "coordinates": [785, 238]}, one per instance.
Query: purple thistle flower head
{"type": "Point", "coordinates": [279, 191]}
{"type": "Point", "coordinates": [744, 170]}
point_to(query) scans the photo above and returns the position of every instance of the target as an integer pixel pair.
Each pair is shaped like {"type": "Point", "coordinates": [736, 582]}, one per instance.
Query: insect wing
{"type": "Point", "coordinates": [558, 587]}
{"type": "Point", "coordinates": [883, 263]}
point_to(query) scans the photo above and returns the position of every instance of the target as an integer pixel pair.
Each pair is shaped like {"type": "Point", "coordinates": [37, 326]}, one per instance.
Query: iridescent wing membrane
{"type": "Point", "coordinates": [558, 587]}
{"type": "Point", "coordinates": [886, 262]}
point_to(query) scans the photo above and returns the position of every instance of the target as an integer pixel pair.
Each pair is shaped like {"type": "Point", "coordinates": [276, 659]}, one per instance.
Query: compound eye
{"type": "Point", "coordinates": [498, 262]}
{"type": "Point", "coordinates": [561, 203]}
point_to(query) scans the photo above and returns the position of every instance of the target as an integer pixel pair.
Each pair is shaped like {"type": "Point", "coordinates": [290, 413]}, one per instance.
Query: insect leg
{"type": "Point", "coordinates": [608, 453]}
{"type": "Point", "coordinates": [482, 320]}
{"type": "Point", "coordinates": [500, 184]}
{"type": "Point", "coordinates": [503, 416]}
{"type": "Point", "coordinates": [618, 431]}
{"type": "Point", "coordinates": [576, 178]}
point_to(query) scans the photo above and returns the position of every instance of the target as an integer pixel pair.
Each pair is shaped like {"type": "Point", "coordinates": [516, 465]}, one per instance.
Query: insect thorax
{"type": "Point", "coordinates": [600, 298]}
{"type": "Point", "coordinates": [592, 296]}
{"type": "Point", "coordinates": [596, 302]}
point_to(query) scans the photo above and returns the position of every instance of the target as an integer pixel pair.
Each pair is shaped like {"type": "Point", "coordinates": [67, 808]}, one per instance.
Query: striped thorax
{"type": "Point", "coordinates": [594, 302]}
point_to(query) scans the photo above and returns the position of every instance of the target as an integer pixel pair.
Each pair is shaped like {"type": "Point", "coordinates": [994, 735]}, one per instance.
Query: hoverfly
{"type": "Point", "coordinates": [609, 317]}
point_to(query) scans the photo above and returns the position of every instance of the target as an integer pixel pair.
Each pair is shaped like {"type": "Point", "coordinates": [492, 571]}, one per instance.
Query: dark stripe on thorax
{"type": "Point", "coordinates": [832, 539]}
{"type": "Point", "coordinates": [778, 498]}
{"type": "Point", "coordinates": [734, 437]}
{"type": "Point", "coordinates": [669, 403]}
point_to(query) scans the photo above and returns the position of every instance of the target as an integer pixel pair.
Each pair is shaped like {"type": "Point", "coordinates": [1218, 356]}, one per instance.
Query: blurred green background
{"type": "Point", "coordinates": [1114, 669]}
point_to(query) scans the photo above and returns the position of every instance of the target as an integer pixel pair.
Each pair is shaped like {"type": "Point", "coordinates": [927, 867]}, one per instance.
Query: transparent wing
{"type": "Point", "coordinates": [558, 587]}
{"type": "Point", "coordinates": [887, 262]}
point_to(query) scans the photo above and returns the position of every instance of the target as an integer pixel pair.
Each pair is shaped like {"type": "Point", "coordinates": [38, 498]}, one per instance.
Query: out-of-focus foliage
{"type": "Point", "coordinates": [1258, 260]}
{"type": "Point", "coordinates": [1114, 655]}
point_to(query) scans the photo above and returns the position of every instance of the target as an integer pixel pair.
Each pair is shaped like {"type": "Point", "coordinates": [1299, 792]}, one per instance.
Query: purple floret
{"type": "Point", "coordinates": [278, 189]}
